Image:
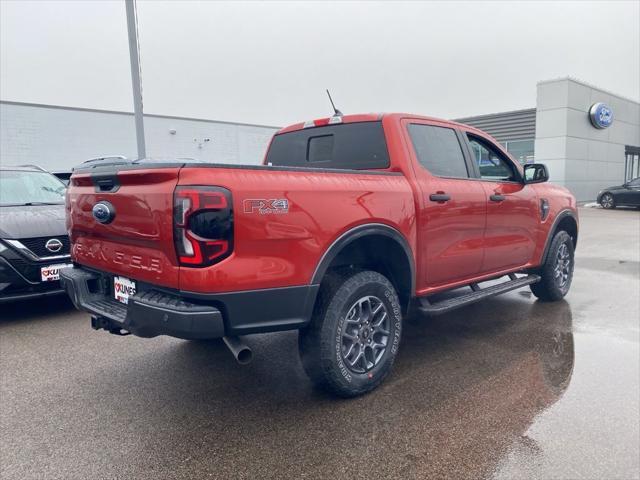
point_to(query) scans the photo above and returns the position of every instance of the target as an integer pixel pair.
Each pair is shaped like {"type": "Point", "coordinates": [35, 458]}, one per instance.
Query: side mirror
{"type": "Point", "coordinates": [535, 173]}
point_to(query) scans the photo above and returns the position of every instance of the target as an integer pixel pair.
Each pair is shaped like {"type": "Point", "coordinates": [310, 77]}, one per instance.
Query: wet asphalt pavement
{"type": "Point", "coordinates": [508, 388]}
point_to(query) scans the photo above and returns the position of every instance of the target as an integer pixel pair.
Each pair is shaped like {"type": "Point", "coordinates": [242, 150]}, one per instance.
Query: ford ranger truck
{"type": "Point", "coordinates": [350, 223]}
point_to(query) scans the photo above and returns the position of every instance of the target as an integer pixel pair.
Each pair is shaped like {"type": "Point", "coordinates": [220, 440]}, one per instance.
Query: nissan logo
{"type": "Point", "coordinates": [104, 212]}
{"type": "Point", "coordinates": [53, 245]}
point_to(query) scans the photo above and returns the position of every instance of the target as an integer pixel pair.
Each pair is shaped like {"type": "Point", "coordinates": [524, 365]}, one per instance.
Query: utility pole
{"type": "Point", "coordinates": [134, 50]}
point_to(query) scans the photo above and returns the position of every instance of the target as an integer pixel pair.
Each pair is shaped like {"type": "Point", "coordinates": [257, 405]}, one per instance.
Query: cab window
{"type": "Point", "coordinates": [491, 163]}
{"type": "Point", "coordinates": [351, 146]}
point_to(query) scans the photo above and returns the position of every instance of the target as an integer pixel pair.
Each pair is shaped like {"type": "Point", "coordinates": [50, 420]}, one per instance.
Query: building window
{"type": "Point", "coordinates": [631, 163]}
{"type": "Point", "coordinates": [521, 150]}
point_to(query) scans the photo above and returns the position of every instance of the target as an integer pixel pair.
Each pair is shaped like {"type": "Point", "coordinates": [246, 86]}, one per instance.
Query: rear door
{"type": "Point", "coordinates": [131, 232]}
{"type": "Point", "coordinates": [513, 212]}
{"type": "Point", "coordinates": [451, 208]}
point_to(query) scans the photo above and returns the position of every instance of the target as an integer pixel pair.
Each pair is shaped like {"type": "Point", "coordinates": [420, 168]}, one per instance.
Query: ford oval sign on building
{"type": "Point", "coordinates": [601, 115]}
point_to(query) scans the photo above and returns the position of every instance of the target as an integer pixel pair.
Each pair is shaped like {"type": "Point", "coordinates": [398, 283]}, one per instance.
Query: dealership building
{"type": "Point", "coordinates": [588, 137]}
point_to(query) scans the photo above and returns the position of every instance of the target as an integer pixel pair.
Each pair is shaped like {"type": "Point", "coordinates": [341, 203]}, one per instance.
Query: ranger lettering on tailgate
{"type": "Point", "coordinates": [134, 261]}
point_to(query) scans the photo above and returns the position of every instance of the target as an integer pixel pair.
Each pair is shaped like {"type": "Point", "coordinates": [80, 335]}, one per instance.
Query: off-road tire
{"type": "Point", "coordinates": [321, 344]}
{"type": "Point", "coordinates": [549, 288]}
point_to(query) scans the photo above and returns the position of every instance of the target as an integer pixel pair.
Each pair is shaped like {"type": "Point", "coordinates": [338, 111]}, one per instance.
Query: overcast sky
{"type": "Point", "coordinates": [269, 63]}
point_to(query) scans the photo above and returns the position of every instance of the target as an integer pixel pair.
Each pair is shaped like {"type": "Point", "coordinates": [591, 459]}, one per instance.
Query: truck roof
{"type": "Point", "coordinates": [363, 117]}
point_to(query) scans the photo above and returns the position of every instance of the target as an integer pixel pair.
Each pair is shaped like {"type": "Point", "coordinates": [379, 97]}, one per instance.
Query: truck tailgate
{"type": "Point", "coordinates": [137, 242]}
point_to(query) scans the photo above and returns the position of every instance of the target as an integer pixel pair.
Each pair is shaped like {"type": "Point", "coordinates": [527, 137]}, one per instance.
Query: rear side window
{"type": "Point", "coordinates": [438, 150]}
{"type": "Point", "coordinates": [357, 146]}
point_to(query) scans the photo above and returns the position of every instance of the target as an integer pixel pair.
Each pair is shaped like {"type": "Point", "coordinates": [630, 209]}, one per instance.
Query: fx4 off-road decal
{"type": "Point", "coordinates": [264, 206]}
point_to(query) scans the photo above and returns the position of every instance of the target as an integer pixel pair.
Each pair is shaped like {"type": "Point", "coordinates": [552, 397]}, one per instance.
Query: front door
{"type": "Point", "coordinates": [451, 206]}
{"type": "Point", "coordinates": [631, 193]}
{"type": "Point", "coordinates": [513, 212]}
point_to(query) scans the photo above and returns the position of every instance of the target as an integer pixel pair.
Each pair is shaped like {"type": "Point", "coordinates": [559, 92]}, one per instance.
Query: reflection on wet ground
{"type": "Point", "coordinates": [510, 388]}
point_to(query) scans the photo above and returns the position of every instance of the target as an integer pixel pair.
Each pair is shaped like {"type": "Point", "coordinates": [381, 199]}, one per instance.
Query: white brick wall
{"type": "Point", "coordinates": [579, 156]}
{"type": "Point", "coordinates": [59, 138]}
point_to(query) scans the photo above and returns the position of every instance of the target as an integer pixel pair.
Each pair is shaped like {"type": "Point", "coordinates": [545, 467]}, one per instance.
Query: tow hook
{"type": "Point", "coordinates": [101, 323]}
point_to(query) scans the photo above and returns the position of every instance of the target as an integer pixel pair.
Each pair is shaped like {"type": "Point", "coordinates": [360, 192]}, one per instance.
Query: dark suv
{"type": "Point", "coordinates": [34, 245]}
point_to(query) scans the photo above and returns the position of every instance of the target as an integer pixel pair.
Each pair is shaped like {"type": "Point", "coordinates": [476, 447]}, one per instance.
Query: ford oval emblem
{"type": "Point", "coordinates": [601, 115]}
{"type": "Point", "coordinates": [104, 212]}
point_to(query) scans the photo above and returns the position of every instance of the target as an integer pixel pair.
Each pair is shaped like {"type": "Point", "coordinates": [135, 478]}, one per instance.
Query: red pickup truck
{"type": "Point", "coordinates": [351, 222]}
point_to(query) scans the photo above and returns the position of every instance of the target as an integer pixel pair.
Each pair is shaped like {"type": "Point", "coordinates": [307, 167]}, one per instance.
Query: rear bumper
{"type": "Point", "coordinates": [154, 310]}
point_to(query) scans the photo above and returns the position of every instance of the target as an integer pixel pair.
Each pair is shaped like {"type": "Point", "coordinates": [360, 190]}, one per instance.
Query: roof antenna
{"type": "Point", "coordinates": [337, 113]}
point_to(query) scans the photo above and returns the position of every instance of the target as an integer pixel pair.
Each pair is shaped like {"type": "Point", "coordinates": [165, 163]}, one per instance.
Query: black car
{"type": "Point", "coordinates": [627, 195]}
{"type": "Point", "coordinates": [34, 245]}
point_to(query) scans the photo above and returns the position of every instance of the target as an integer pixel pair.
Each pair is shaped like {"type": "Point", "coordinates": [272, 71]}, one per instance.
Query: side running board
{"type": "Point", "coordinates": [477, 294]}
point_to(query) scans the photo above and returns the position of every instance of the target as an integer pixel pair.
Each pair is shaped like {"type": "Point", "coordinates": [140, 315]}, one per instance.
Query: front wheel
{"type": "Point", "coordinates": [354, 335]}
{"type": "Point", "coordinates": [607, 201]}
{"type": "Point", "coordinates": [557, 272]}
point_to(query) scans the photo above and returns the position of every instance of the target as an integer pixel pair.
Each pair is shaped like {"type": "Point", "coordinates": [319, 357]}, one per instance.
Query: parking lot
{"type": "Point", "coordinates": [508, 388]}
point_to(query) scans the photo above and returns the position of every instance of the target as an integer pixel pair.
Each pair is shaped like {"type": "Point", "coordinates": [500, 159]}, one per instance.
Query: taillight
{"type": "Point", "coordinates": [202, 225]}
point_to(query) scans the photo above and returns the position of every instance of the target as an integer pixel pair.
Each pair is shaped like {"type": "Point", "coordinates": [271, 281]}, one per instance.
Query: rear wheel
{"type": "Point", "coordinates": [354, 335]}
{"type": "Point", "coordinates": [607, 201]}
{"type": "Point", "coordinates": [557, 272]}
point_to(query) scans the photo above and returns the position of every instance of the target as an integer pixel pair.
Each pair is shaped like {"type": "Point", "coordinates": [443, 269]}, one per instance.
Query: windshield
{"type": "Point", "coordinates": [29, 188]}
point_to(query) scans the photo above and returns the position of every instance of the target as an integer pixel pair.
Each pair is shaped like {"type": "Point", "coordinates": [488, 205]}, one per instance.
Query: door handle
{"type": "Point", "coordinates": [497, 198]}
{"type": "Point", "coordinates": [439, 197]}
